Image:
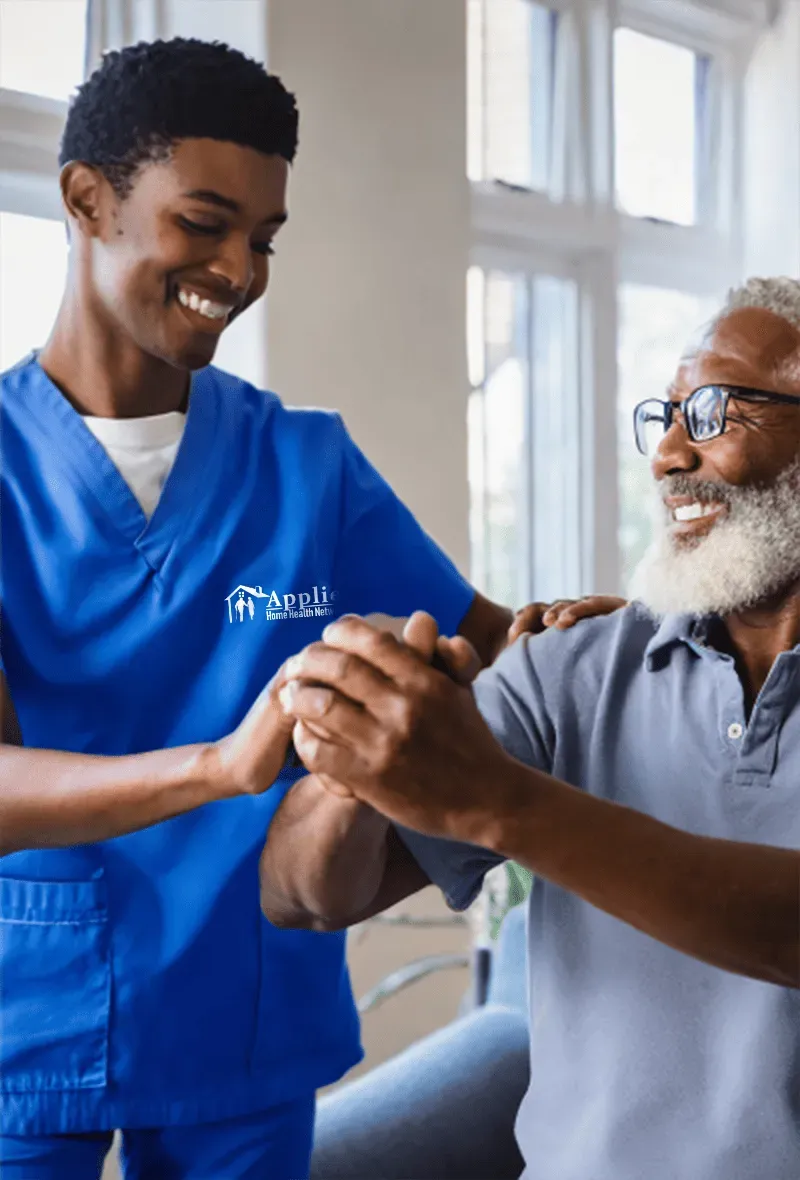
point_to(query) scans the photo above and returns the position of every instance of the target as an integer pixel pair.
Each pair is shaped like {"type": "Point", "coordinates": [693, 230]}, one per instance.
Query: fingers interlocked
{"type": "Point", "coordinates": [355, 698]}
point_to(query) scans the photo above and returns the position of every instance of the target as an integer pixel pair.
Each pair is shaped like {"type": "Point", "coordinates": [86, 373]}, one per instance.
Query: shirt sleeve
{"type": "Point", "coordinates": [510, 698]}
{"type": "Point", "coordinates": [386, 563]}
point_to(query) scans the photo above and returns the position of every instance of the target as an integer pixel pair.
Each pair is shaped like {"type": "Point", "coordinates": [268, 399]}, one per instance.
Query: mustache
{"type": "Point", "coordinates": [704, 490]}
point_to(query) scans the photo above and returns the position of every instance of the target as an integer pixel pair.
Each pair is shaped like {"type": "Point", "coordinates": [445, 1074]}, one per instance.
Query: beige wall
{"type": "Point", "coordinates": [367, 310]}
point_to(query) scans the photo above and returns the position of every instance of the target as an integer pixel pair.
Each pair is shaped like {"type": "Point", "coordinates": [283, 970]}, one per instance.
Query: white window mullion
{"type": "Point", "coordinates": [562, 114]}
{"type": "Point", "coordinates": [728, 174]}
{"type": "Point", "coordinates": [601, 21]}
{"type": "Point", "coordinates": [583, 92]}
{"type": "Point", "coordinates": [599, 473]}
{"type": "Point", "coordinates": [535, 428]}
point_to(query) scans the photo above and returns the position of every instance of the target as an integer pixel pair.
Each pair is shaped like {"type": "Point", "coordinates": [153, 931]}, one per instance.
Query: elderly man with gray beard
{"type": "Point", "coordinates": [645, 766]}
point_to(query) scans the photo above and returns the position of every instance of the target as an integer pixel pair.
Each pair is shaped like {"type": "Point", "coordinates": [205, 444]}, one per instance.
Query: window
{"type": "Point", "coordinates": [660, 104]}
{"type": "Point", "coordinates": [33, 270]}
{"type": "Point", "coordinates": [523, 421]}
{"type": "Point", "coordinates": [511, 48]}
{"type": "Point", "coordinates": [655, 326]}
{"type": "Point", "coordinates": [42, 46]}
{"type": "Point", "coordinates": [614, 129]}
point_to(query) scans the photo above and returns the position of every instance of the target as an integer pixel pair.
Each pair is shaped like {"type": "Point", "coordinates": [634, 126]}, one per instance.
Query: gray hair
{"type": "Point", "coordinates": [778, 295]}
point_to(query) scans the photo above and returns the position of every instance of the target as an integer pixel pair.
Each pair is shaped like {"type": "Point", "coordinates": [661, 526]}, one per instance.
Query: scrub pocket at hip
{"type": "Point", "coordinates": [55, 980]}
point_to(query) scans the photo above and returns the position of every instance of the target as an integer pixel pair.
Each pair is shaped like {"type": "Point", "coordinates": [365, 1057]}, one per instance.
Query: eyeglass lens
{"type": "Point", "coordinates": [705, 418]}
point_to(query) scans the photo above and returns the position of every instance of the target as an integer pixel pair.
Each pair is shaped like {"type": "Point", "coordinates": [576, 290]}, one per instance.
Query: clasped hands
{"type": "Point", "coordinates": [374, 720]}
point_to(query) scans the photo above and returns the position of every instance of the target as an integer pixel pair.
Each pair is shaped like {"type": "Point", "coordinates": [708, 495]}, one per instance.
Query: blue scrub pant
{"type": "Point", "coordinates": [272, 1145]}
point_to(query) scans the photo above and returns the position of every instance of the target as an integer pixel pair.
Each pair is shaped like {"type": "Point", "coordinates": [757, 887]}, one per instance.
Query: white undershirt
{"type": "Point", "coordinates": [143, 451]}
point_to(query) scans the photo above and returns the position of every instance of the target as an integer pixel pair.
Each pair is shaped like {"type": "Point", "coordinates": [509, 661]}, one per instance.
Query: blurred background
{"type": "Point", "coordinates": [507, 218]}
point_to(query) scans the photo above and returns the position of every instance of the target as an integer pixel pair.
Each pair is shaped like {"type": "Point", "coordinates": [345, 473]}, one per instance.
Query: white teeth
{"type": "Point", "coordinates": [693, 511]}
{"type": "Point", "coordinates": [205, 307]}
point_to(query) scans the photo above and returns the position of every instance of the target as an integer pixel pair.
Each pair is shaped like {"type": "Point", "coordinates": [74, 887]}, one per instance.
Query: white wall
{"type": "Point", "coordinates": [772, 150]}
{"type": "Point", "coordinates": [367, 309]}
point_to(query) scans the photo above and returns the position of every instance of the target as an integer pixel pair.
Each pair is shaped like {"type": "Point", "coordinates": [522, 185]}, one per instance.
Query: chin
{"type": "Point", "coordinates": [190, 355]}
{"type": "Point", "coordinates": [198, 360]}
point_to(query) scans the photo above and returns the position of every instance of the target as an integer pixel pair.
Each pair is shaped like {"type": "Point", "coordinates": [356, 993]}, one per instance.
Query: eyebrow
{"type": "Point", "coordinates": [210, 197]}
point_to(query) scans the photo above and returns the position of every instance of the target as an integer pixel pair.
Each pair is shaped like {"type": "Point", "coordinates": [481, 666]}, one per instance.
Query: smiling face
{"type": "Point", "coordinates": [173, 262]}
{"type": "Point", "coordinates": [728, 512]}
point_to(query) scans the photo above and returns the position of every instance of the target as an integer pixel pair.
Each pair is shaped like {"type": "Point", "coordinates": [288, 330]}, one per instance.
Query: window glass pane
{"type": "Point", "coordinates": [555, 438]}
{"type": "Point", "coordinates": [655, 326]}
{"type": "Point", "coordinates": [496, 420]}
{"type": "Point", "coordinates": [42, 45]}
{"type": "Point", "coordinates": [33, 269]}
{"type": "Point", "coordinates": [511, 59]}
{"type": "Point", "coordinates": [660, 103]}
{"type": "Point", "coordinates": [524, 435]}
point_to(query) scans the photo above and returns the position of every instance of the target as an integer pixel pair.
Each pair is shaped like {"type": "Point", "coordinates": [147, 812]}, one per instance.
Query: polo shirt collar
{"type": "Point", "coordinates": [691, 630]}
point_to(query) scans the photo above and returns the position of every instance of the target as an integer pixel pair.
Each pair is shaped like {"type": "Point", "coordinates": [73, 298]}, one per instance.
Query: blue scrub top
{"type": "Point", "coordinates": [140, 983]}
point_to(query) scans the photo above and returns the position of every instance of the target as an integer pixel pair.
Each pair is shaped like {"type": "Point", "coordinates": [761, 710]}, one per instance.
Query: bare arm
{"type": "Point", "coordinates": [330, 862]}
{"type": "Point", "coordinates": [412, 745]}
{"type": "Point", "coordinates": [51, 799]}
{"type": "Point", "coordinates": [486, 626]}
{"type": "Point", "coordinates": [735, 906]}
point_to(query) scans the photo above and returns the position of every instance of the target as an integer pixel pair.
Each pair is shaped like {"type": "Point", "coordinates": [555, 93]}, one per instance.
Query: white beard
{"type": "Point", "coordinates": [749, 555]}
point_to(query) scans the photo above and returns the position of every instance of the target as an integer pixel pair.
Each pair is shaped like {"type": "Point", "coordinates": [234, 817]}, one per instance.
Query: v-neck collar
{"type": "Point", "coordinates": [153, 538]}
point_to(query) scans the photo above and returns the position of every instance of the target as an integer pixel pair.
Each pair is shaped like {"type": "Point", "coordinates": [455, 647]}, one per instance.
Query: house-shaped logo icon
{"type": "Point", "coordinates": [240, 602]}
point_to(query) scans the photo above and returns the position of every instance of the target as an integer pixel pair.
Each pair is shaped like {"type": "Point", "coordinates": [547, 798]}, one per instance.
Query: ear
{"type": "Point", "coordinates": [87, 198]}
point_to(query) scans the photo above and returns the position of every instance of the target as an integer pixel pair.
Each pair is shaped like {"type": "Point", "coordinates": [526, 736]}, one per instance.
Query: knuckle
{"type": "Point", "coordinates": [408, 719]}
{"type": "Point", "coordinates": [382, 643]}
{"type": "Point", "coordinates": [410, 710]}
{"type": "Point", "coordinates": [308, 746]}
{"type": "Point", "coordinates": [341, 665]}
{"type": "Point", "coordinates": [386, 751]}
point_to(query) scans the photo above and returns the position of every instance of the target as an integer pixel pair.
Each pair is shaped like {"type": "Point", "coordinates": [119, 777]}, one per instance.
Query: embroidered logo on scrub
{"type": "Point", "coordinates": [248, 603]}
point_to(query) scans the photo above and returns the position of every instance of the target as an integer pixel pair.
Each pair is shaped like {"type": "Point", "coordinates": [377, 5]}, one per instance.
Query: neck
{"type": "Point", "coordinates": [758, 635]}
{"type": "Point", "coordinates": [102, 372]}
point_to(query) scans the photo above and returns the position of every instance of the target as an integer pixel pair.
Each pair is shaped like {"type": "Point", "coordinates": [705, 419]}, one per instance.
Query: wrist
{"type": "Point", "coordinates": [215, 773]}
{"type": "Point", "coordinates": [508, 792]}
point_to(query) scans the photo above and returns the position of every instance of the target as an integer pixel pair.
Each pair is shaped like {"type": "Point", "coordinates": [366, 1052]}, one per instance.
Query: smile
{"type": "Point", "coordinates": [693, 517]}
{"type": "Point", "coordinates": [694, 511]}
{"type": "Point", "coordinates": [209, 309]}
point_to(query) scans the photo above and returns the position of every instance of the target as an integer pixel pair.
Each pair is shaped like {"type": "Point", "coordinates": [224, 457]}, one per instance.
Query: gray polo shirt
{"type": "Point", "coordinates": [645, 1064]}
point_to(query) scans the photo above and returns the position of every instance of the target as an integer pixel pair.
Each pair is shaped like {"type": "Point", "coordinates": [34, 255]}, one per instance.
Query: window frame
{"type": "Point", "coordinates": [31, 124]}
{"type": "Point", "coordinates": [576, 225]}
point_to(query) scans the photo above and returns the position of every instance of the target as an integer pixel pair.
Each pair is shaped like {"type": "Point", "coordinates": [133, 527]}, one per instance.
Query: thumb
{"type": "Point", "coordinates": [459, 657]}
{"type": "Point", "coordinates": [420, 634]}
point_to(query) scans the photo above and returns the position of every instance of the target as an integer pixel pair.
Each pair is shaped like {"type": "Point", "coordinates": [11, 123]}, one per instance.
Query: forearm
{"type": "Point", "coordinates": [324, 860]}
{"type": "Point", "coordinates": [486, 626]}
{"type": "Point", "coordinates": [735, 906]}
{"type": "Point", "coordinates": [50, 799]}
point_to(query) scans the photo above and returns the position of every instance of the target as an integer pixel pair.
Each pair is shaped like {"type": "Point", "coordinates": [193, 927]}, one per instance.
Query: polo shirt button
{"type": "Point", "coordinates": [735, 731]}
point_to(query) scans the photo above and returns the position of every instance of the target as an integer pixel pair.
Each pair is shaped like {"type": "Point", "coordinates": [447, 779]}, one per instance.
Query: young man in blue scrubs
{"type": "Point", "coordinates": [170, 535]}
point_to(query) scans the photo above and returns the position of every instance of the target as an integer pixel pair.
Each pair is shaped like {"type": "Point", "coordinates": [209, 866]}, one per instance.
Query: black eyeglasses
{"type": "Point", "coordinates": [704, 413]}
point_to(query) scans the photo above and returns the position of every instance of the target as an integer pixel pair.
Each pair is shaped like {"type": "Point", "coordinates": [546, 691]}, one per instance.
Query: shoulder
{"type": "Point", "coordinates": [301, 421]}
{"type": "Point", "coordinates": [617, 637]}
{"type": "Point", "coordinates": [580, 659]}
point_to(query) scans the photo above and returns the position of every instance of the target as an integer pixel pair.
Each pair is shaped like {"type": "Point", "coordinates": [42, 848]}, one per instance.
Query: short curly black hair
{"type": "Point", "coordinates": [145, 98]}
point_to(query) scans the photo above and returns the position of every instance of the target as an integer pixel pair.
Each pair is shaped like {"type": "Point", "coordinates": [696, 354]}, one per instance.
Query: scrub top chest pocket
{"type": "Point", "coordinates": [55, 980]}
